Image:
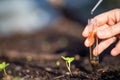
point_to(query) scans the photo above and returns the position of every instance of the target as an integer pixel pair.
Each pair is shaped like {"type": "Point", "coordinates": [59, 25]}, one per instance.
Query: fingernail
{"type": "Point", "coordinates": [93, 21]}
{"type": "Point", "coordinates": [114, 39]}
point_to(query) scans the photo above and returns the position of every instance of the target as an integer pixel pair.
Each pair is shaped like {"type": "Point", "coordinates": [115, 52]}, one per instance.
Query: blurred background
{"type": "Point", "coordinates": [27, 16]}
{"type": "Point", "coordinates": [46, 26]}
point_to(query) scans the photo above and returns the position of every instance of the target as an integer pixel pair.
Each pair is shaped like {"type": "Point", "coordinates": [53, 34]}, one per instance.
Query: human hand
{"type": "Point", "coordinates": [107, 29]}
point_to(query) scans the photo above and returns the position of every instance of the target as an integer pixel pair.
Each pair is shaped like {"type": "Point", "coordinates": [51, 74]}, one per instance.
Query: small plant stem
{"type": "Point", "coordinates": [68, 66]}
{"type": "Point", "coordinates": [4, 72]}
{"type": "Point", "coordinates": [70, 69]}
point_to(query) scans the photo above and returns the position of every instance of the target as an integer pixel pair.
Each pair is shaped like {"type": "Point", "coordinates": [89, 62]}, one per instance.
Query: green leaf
{"type": "Point", "coordinates": [3, 65]}
{"type": "Point", "coordinates": [71, 59]}
{"type": "Point", "coordinates": [68, 59]}
{"type": "Point", "coordinates": [63, 58]}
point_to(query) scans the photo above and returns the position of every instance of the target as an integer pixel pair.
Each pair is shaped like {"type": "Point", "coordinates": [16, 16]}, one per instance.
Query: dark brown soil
{"type": "Point", "coordinates": [34, 57]}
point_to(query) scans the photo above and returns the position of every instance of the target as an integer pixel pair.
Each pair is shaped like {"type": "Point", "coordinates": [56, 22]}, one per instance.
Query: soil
{"type": "Point", "coordinates": [34, 56]}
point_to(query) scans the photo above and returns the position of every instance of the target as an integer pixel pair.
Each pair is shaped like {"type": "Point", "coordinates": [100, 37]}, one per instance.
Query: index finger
{"type": "Point", "coordinates": [89, 28]}
{"type": "Point", "coordinates": [109, 18]}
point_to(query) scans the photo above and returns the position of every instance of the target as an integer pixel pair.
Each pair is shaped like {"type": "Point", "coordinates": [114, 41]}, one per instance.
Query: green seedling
{"type": "Point", "coordinates": [57, 63]}
{"type": "Point", "coordinates": [3, 66]}
{"type": "Point", "coordinates": [68, 62]}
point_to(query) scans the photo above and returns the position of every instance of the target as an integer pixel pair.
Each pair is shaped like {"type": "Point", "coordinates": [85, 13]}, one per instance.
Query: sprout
{"type": "Point", "coordinates": [58, 63]}
{"type": "Point", "coordinates": [68, 62]}
{"type": "Point", "coordinates": [3, 65]}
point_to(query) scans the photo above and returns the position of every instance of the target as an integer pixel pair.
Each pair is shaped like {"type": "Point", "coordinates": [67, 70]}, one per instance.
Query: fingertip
{"type": "Point", "coordinates": [95, 52]}
{"type": "Point", "coordinates": [86, 43]}
{"type": "Point", "coordinates": [114, 52]}
{"type": "Point", "coordinates": [85, 32]}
